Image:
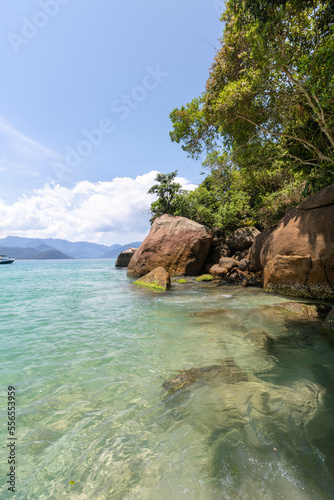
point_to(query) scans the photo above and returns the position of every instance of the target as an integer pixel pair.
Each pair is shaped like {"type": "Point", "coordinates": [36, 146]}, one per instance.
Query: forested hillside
{"type": "Point", "coordinates": [263, 127]}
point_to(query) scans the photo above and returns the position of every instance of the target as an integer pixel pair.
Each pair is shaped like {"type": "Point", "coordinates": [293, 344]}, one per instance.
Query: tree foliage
{"type": "Point", "coordinates": [166, 189]}
{"type": "Point", "coordinates": [265, 122]}
{"type": "Point", "coordinates": [269, 101]}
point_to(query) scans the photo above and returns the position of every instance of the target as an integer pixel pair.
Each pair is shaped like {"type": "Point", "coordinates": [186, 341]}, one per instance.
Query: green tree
{"type": "Point", "coordinates": [166, 189]}
{"type": "Point", "coordinates": [221, 202]}
{"type": "Point", "coordinates": [269, 99]}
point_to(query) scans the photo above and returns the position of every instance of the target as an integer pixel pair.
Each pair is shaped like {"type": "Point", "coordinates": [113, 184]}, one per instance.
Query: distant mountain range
{"type": "Point", "coordinates": [37, 248]}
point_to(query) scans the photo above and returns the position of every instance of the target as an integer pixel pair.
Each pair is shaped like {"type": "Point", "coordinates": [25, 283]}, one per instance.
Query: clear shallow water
{"type": "Point", "coordinates": [88, 353]}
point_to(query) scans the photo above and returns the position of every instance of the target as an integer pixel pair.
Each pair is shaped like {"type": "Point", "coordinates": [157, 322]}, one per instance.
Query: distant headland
{"type": "Point", "coordinates": [40, 249]}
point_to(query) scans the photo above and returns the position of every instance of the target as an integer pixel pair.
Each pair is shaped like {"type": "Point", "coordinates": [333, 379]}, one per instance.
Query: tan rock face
{"type": "Point", "coordinates": [254, 253]}
{"type": "Point", "coordinates": [298, 255]}
{"type": "Point", "coordinates": [175, 243]}
{"type": "Point", "coordinates": [303, 233]}
{"type": "Point", "coordinates": [158, 279]}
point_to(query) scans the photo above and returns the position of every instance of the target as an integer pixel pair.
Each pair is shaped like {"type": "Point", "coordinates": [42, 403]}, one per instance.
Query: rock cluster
{"type": "Point", "coordinates": [236, 245]}
{"type": "Point", "coordinates": [297, 256]}
{"type": "Point", "coordinates": [227, 260]}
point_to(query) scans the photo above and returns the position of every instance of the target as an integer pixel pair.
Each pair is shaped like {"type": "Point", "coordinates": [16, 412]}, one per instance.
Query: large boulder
{"type": "Point", "coordinates": [175, 243]}
{"type": "Point", "coordinates": [254, 253]}
{"type": "Point", "coordinates": [242, 238]}
{"type": "Point", "coordinates": [124, 257]}
{"type": "Point", "coordinates": [158, 279]}
{"type": "Point", "coordinates": [298, 255]}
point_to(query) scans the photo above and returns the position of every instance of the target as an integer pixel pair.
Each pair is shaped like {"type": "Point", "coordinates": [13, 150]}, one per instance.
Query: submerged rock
{"type": "Point", "coordinates": [297, 310]}
{"type": "Point", "coordinates": [227, 370]}
{"type": "Point", "coordinates": [329, 323]}
{"type": "Point", "coordinates": [210, 312]}
{"type": "Point", "coordinates": [158, 279]}
{"type": "Point", "coordinates": [261, 338]}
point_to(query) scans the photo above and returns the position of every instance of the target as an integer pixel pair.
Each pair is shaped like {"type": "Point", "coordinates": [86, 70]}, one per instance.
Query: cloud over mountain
{"type": "Point", "coordinates": [103, 212]}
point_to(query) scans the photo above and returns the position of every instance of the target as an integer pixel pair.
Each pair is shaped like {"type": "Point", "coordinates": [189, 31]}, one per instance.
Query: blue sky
{"type": "Point", "coordinates": [86, 92]}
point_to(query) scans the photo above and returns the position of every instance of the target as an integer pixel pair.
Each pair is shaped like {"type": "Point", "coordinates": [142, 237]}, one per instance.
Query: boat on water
{"type": "Point", "coordinates": [4, 259]}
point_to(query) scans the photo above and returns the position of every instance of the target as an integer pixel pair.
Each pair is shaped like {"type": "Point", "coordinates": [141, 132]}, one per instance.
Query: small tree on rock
{"type": "Point", "coordinates": [166, 190]}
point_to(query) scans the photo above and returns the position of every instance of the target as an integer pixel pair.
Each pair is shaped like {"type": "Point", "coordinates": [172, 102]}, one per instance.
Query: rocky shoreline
{"type": "Point", "coordinates": [295, 258]}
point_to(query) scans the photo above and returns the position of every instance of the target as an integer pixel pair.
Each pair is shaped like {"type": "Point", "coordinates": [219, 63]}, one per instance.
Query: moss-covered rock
{"type": "Point", "coordinates": [157, 279]}
{"type": "Point", "coordinates": [205, 277]}
{"type": "Point", "coordinates": [181, 281]}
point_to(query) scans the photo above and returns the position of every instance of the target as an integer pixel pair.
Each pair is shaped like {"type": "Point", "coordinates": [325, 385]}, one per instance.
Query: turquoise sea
{"type": "Point", "coordinates": [88, 353]}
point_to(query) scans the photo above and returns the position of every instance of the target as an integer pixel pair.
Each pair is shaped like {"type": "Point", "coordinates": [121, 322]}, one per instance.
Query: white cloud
{"type": "Point", "coordinates": [105, 212]}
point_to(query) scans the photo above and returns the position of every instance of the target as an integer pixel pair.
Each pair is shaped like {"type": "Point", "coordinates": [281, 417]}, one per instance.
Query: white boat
{"type": "Point", "coordinates": [6, 260]}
